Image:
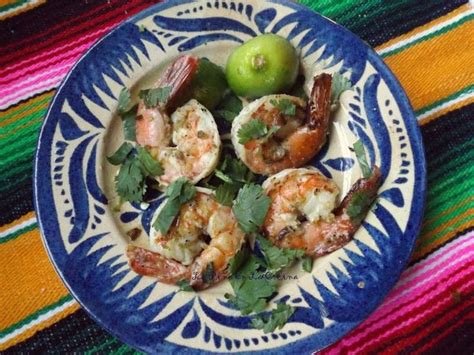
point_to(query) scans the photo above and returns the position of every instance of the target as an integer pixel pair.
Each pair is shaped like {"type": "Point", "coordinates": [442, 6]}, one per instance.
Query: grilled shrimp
{"type": "Point", "coordinates": [203, 234]}
{"type": "Point", "coordinates": [187, 144]}
{"type": "Point", "coordinates": [299, 137]}
{"type": "Point", "coordinates": [303, 213]}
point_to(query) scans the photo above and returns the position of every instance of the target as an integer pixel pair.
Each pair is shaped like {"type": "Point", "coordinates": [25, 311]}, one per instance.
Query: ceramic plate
{"type": "Point", "coordinates": [86, 236]}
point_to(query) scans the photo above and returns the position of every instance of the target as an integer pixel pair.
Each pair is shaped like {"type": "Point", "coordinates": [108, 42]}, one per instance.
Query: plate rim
{"type": "Point", "coordinates": [413, 132]}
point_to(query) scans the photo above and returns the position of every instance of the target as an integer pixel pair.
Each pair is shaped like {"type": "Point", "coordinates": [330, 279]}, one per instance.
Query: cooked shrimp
{"type": "Point", "coordinates": [203, 234]}
{"type": "Point", "coordinates": [303, 213]}
{"type": "Point", "coordinates": [187, 144]}
{"type": "Point", "coordinates": [299, 137]}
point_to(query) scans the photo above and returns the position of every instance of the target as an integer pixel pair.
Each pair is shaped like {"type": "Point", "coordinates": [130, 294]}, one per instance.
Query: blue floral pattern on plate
{"type": "Point", "coordinates": [85, 237]}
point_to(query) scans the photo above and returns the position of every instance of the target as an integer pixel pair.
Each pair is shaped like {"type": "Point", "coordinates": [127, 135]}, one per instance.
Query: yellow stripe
{"type": "Point", "coordinates": [29, 282]}
{"type": "Point", "coordinates": [436, 68]}
{"type": "Point", "coordinates": [37, 327]}
{"type": "Point", "coordinates": [24, 109]}
{"type": "Point", "coordinates": [444, 111]}
{"type": "Point", "coordinates": [447, 17]}
{"type": "Point", "coordinates": [20, 220]}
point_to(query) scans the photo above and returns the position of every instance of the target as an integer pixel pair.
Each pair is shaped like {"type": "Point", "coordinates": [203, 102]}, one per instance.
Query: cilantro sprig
{"type": "Point", "coordinates": [229, 108]}
{"type": "Point", "coordinates": [136, 164]}
{"type": "Point", "coordinates": [338, 86]}
{"type": "Point", "coordinates": [250, 207]}
{"type": "Point", "coordinates": [276, 319]}
{"type": "Point", "coordinates": [179, 192]}
{"type": "Point", "coordinates": [128, 115]}
{"type": "Point", "coordinates": [255, 129]}
{"type": "Point", "coordinates": [362, 159]}
{"type": "Point", "coordinates": [278, 258]}
{"type": "Point", "coordinates": [286, 106]}
{"type": "Point", "coordinates": [153, 97]}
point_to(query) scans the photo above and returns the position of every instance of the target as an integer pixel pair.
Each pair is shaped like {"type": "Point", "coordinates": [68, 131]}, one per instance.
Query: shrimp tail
{"type": "Point", "coordinates": [360, 197]}
{"type": "Point", "coordinates": [318, 109]}
{"type": "Point", "coordinates": [328, 237]}
{"type": "Point", "coordinates": [178, 76]}
{"type": "Point", "coordinates": [147, 263]}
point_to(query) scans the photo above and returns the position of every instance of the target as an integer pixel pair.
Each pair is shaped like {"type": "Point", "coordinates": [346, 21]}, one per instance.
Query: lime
{"type": "Point", "coordinates": [265, 65]}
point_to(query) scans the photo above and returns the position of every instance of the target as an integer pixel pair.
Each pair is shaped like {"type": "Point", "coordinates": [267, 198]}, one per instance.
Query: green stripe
{"type": "Point", "coordinates": [456, 178]}
{"type": "Point", "coordinates": [463, 147]}
{"type": "Point", "coordinates": [441, 234]}
{"type": "Point", "coordinates": [97, 348]}
{"type": "Point", "coordinates": [34, 116]}
{"type": "Point", "coordinates": [445, 218]}
{"type": "Point", "coordinates": [458, 162]}
{"type": "Point", "coordinates": [23, 108]}
{"type": "Point", "coordinates": [34, 316]}
{"type": "Point", "coordinates": [429, 36]}
{"type": "Point", "coordinates": [456, 194]}
{"type": "Point", "coordinates": [451, 97]}
{"type": "Point", "coordinates": [17, 233]}
{"type": "Point", "coordinates": [12, 6]}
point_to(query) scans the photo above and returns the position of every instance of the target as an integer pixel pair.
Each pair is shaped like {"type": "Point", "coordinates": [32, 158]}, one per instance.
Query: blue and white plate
{"type": "Point", "coordinates": [85, 234]}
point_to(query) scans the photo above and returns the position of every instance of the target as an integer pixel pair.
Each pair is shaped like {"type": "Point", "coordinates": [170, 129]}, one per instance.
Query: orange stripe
{"type": "Point", "coordinates": [431, 70]}
{"type": "Point", "coordinates": [421, 252]}
{"type": "Point", "coordinates": [36, 328]}
{"type": "Point", "coordinates": [29, 282]}
{"type": "Point", "coordinates": [427, 222]}
{"type": "Point", "coordinates": [447, 17]}
{"type": "Point", "coordinates": [24, 113]}
{"type": "Point", "coordinates": [22, 219]}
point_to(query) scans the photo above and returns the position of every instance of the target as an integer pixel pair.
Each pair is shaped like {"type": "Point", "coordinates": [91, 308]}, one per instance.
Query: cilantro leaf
{"type": "Point", "coordinates": [252, 287]}
{"type": "Point", "coordinates": [278, 258]}
{"type": "Point", "coordinates": [129, 121]}
{"type": "Point", "coordinates": [184, 286]}
{"type": "Point", "coordinates": [251, 130]}
{"type": "Point", "coordinates": [225, 194]}
{"type": "Point", "coordinates": [338, 86]}
{"type": "Point", "coordinates": [358, 206]}
{"type": "Point", "coordinates": [130, 180]}
{"type": "Point", "coordinates": [251, 207]}
{"type": "Point", "coordinates": [229, 108]}
{"type": "Point", "coordinates": [179, 192]}
{"type": "Point", "coordinates": [286, 106]}
{"type": "Point", "coordinates": [307, 264]}
{"type": "Point", "coordinates": [361, 158]}
{"type": "Point", "coordinates": [236, 170]}
{"type": "Point", "coordinates": [124, 100]}
{"type": "Point", "coordinates": [277, 318]}
{"type": "Point", "coordinates": [121, 154]}
{"type": "Point", "coordinates": [219, 174]}
{"type": "Point", "coordinates": [153, 97]}
{"type": "Point", "coordinates": [151, 166]}
{"type": "Point", "coordinates": [238, 260]}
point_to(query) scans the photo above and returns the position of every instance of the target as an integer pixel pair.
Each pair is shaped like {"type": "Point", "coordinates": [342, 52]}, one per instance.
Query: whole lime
{"type": "Point", "coordinates": [265, 65]}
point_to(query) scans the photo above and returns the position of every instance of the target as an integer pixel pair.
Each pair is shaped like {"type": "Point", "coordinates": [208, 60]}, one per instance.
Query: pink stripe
{"type": "Point", "coordinates": [38, 61]}
{"type": "Point", "coordinates": [434, 308]}
{"type": "Point", "coordinates": [390, 322]}
{"type": "Point", "coordinates": [37, 78]}
{"type": "Point", "coordinates": [30, 91]}
{"type": "Point", "coordinates": [414, 278]}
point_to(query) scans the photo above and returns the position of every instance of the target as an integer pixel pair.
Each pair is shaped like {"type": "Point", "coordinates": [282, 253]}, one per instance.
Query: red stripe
{"type": "Point", "coordinates": [62, 37]}
{"type": "Point", "coordinates": [424, 331]}
{"type": "Point", "coordinates": [457, 323]}
{"type": "Point", "coordinates": [428, 318]}
{"type": "Point", "coordinates": [380, 331]}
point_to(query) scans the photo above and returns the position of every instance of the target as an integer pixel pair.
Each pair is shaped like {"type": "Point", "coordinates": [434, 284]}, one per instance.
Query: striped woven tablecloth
{"type": "Point", "coordinates": [429, 45]}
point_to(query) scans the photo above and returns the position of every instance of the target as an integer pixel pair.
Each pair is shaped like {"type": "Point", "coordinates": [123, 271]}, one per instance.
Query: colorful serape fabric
{"type": "Point", "coordinates": [428, 44]}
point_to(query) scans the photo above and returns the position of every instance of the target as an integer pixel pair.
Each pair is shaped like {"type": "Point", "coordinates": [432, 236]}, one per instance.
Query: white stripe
{"type": "Point", "coordinates": [31, 2]}
{"type": "Point", "coordinates": [22, 225]}
{"type": "Point", "coordinates": [424, 33]}
{"type": "Point", "coordinates": [36, 321]}
{"type": "Point", "coordinates": [446, 104]}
